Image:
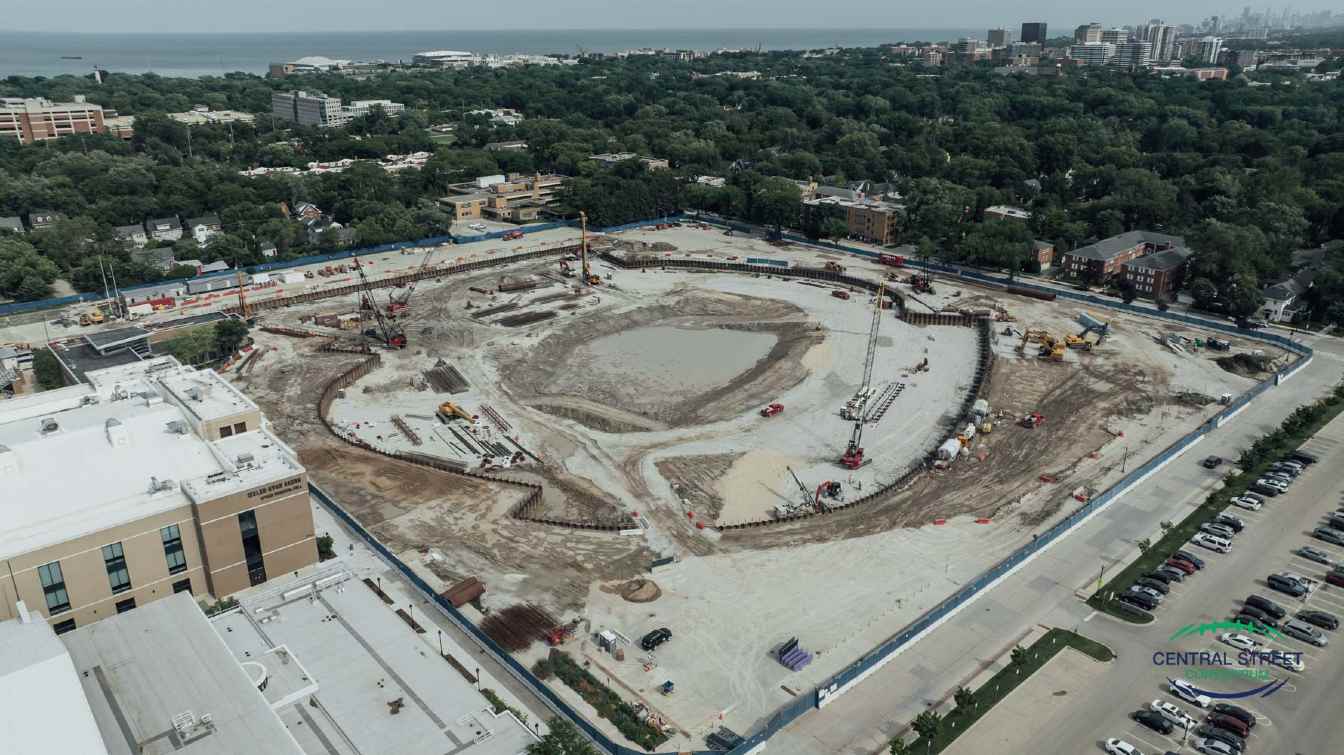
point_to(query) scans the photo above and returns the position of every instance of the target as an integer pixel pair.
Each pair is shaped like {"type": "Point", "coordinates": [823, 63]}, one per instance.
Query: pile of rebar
{"type": "Point", "coordinates": [525, 318]}
{"type": "Point", "coordinates": [518, 626]}
{"type": "Point", "coordinates": [445, 378]}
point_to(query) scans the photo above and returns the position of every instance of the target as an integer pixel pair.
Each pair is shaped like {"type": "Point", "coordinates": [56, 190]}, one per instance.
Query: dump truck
{"type": "Point", "coordinates": [92, 317]}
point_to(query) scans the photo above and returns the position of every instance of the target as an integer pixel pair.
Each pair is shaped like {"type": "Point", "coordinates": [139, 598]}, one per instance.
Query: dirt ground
{"type": "Point", "coordinates": [556, 376]}
{"type": "Point", "coordinates": [414, 510]}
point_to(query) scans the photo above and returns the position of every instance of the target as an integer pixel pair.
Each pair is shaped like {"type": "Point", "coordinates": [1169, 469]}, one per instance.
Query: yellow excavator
{"type": "Point", "coordinates": [449, 411]}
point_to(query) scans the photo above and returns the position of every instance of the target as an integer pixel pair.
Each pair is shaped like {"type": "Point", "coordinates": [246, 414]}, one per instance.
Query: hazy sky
{"type": "Point", "coordinates": [358, 15]}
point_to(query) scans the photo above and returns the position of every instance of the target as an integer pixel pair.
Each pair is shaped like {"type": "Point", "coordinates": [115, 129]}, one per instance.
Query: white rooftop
{"type": "Point", "coordinates": [150, 673]}
{"type": "Point", "coordinates": [45, 710]}
{"type": "Point", "coordinates": [85, 458]}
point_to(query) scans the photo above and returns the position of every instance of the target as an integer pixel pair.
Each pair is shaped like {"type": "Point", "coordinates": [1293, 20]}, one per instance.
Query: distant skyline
{"type": "Point", "coordinates": [257, 16]}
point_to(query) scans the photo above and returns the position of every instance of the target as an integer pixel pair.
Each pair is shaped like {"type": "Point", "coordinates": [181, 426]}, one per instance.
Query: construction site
{"type": "Point", "coordinates": [780, 454]}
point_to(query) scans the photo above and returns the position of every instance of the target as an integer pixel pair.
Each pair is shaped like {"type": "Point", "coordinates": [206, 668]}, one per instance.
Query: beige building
{"type": "Point", "coordinates": [517, 198]}
{"type": "Point", "coordinates": [150, 479]}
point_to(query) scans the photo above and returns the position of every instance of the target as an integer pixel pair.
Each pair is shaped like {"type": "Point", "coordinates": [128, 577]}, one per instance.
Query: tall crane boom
{"type": "Point", "coordinates": [853, 456]}
{"type": "Point", "coordinates": [397, 302]}
{"type": "Point", "coordinates": [389, 333]}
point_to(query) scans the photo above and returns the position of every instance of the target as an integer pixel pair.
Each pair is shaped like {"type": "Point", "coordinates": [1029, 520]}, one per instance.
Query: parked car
{"type": "Point", "coordinates": [1260, 488]}
{"type": "Point", "coordinates": [1265, 605]}
{"type": "Point", "coordinates": [1153, 720]}
{"type": "Point", "coordinates": [1230, 521]}
{"type": "Point", "coordinates": [1290, 661]}
{"type": "Point", "coordinates": [1335, 522]}
{"type": "Point", "coordinates": [1230, 723]}
{"type": "Point", "coordinates": [1283, 478]}
{"type": "Point", "coordinates": [1305, 632]}
{"type": "Point", "coordinates": [1218, 530]}
{"type": "Point", "coordinates": [1237, 712]}
{"type": "Point", "coordinates": [655, 638]}
{"type": "Point", "coordinates": [1259, 616]}
{"type": "Point", "coordinates": [1158, 576]}
{"type": "Point", "coordinates": [1192, 558]}
{"type": "Point", "coordinates": [1186, 691]}
{"type": "Point", "coordinates": [1171, 573]}
{"type": "Point", "coordinates": [1121, 747]}
{"type": "Point", "coordinates": [1238, 641]}
{"type": "Point", "coordinates": [1212, 462]}
{"type": "Point", "coordinates": [1248, 503]}
{"type": "Point", "coordinates": [1173, 713]}
{"type": "Point", "coordinates": [1285, 585]}
{"type": "Point", "coordinates": [1272, 482]}
{"type": "Point", "coordinates": [1182, 565]}
{"type": "Point", "coordinates": [1292, 470]}
{"type": "Point", "coordinates": [1208, 731]}
{"type": "Point", "coordinates": [1301, 579]}
{"type": "Point", "coordinates": [1305, 457]}
{"type": "Point", "coordinates": [1319, 618]}
{"type": "Point", "coordinates": [1213, 747]}
{"type": "Point", "coordinates": [1335, 578]}
{"type": "Point", "coordinates": [1154, 584]}
{"type": "Point", "coordinates": [1212, 542]}
{"type": "Point", "coordinates": [1142, 590]}
{"type": "Point", "coordinates": [1252, 622]}
{"type": "Point", "coordinates": [1141, 600]}
{"type": "Point", "coordinates": [1332, 536]}
{"type": "Point", "coordinates": [1314, 554]}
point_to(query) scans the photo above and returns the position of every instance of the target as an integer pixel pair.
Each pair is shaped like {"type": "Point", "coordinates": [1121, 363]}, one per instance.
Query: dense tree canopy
{"type": "Point", "coordinates": [1247, 173]}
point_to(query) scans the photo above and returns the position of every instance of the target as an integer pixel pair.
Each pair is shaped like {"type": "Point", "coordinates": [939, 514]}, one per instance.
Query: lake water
{"type": "Point", "coordinates": [679, 357]}
{"type": "Point", "coordinates": [47, 53]}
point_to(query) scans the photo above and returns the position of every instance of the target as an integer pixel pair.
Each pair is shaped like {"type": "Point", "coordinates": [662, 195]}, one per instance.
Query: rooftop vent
{"type": "Point", "coordinates": [151, 397]}
{"type": "Point", "coordinates": [88, 400]}
{"type": "Point", "coordinates": [119, 393]}
{"type": "Point", "coordinates": [177, 427]}
{"type": "Point", "coordinates": [194, 393]}
{"type": "Point", "coordinates": [188, 729]}
{"type": "Point", "coordinates": [117, 434]}
{"type": "Point", "coordinates": [49, 425]}
{"type": "Point", "coordinates": [159, 486]}
{"type": "Point", "coordinates": [245, 460]}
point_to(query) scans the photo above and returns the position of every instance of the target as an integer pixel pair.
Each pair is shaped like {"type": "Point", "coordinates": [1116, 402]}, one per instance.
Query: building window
{"type": "Point", "coordinates": [64, 626]}
{"type": "Point", "coordinates": [172, 549]}
{"type": "Point", "coordinates": [125, 605]}
{"type": "Point", "coordinates": [183, 585]}
{"type": "Point", "coordinates": [115, 561]}
{"type": "Point", "coordinates": [53, 586]}
{"type": "Point", "coordinates": [256, 565]}
{"type": "Point", "coordinates": [226, 432]}
{"type": "Point", "coordinates": [241, 427]}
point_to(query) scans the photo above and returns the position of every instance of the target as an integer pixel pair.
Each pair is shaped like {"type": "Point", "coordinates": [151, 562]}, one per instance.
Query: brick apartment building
{"type": "Point", "coordinates": [149, 479]}
{"type": "Point", "coordinates": [1103, 260]}
{"type": "Point", "coordinates": [1160, 274]}
{"type": "Point", "coordinates": [39, 120]}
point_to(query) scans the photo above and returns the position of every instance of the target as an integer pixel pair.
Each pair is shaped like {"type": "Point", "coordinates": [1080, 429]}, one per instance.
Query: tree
{"type": "Point", "coordinates": [229, 335]}
{"type": "Point", "coordinates": [928, 724]}
{"type": "Point", "coordinates": [562, 739]}
{"type": "Point", "coordinates": [47, 370]}
{"type": "Point", "coordinates": [1019, 655]}
{"type": "Point", "coordinates": [964, 697]}
{"type": "Point", "coordinates": [1144, 544]}
{"type": "Point", "coordinates": [777, 203]}
{"type": "Point", "coordinates": [834, 229]}
{"type": "Point", "coordinates": [1128, 291]}
{"type": "Point", "coordinates": [24, 273]}
{"type": "Point", "coordinates": [898, 746]}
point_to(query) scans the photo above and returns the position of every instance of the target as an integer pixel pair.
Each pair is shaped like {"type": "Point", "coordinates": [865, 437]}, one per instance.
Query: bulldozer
{"type": "Point", "coordinates": [449, 411]}
{"type": "Point", "coordinates": [92, 317]}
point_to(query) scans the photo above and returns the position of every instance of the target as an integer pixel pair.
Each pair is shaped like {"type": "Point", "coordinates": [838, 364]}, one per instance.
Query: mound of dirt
{"type": "Point", "coordinates": [641, 591]}
{"type": "Point", "coordinates": [1246, 365]}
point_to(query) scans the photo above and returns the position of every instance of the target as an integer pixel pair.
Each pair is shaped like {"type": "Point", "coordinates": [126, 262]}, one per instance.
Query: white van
{"type": "Point", "coordinates": [1212, 542]}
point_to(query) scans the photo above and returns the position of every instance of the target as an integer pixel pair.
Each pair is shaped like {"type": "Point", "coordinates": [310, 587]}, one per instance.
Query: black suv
{"type": "Point", "coordinates": [1320, 619]}
{"type": "Point", "coordinates": [655, 638]}
{"type": "Point", "coordinates": [1266, 606]}
{"type": "Point", "coordinates": [1153, 720]}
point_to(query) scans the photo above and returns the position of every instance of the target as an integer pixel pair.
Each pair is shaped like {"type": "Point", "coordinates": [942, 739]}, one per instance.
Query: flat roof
{"type": "Point", "coordinates": [106, 340]}
{"type": "Point", "coordinates": [150, 671]}
{"type": "Point", "coordinates": [84, 358]}
{"type": "Point", "coordinates": [204, 394]}
{"type": "Point", "coordinates": [46, 711]}
{"type": "Point", "coordinates": [362, 656]}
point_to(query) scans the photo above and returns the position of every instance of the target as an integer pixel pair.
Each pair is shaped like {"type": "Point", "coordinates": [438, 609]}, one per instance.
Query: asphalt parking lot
{"type": "Point", "coordinates": [1299, 717]}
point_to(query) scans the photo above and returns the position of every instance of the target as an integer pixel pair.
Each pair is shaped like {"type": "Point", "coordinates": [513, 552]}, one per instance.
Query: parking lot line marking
{"type": "Point", "coordinates": [1134, 734]}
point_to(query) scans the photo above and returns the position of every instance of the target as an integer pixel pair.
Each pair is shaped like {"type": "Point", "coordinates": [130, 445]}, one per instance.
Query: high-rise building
{"type": "Point", "coordinates": [998, 38]}
{"type": "Point", "coordinates": [1208, 49]}
{"type": "Point", "coordinates": [1162, 36]}
{"type": "Point", "coordinates": [1115, 36]}
{"type": "Point", "coordinates": [1034, 31]}
{"type": "Point", "coordinates": [38, 119]}
{"type": "Point", "coordinates": [1088, 34]}
{"type": "Point", "coordinates": [149, 479]}
{"type": "Point", "coordinates": [1132, 55]}
{"type": "Point", "coordinates": [1095, 54]}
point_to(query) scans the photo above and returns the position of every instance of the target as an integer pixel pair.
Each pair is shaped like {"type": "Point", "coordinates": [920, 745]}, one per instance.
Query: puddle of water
{"type": "Point", "coordinates": [697, 359]}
